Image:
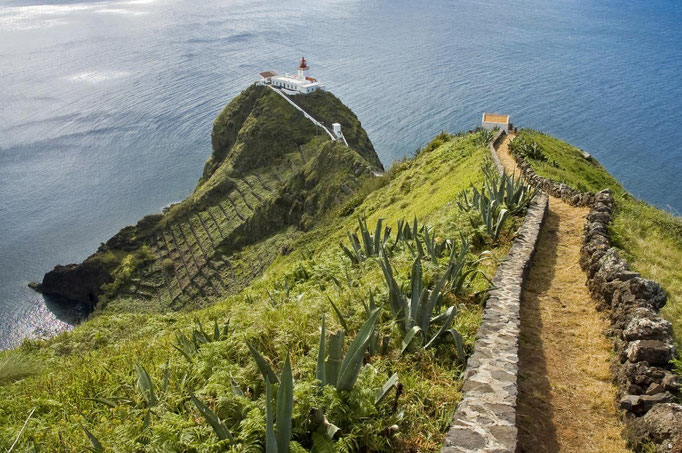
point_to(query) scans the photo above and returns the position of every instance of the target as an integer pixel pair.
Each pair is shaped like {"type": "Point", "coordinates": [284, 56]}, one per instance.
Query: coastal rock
{"type": "Point", "coordinates": [76, 282]}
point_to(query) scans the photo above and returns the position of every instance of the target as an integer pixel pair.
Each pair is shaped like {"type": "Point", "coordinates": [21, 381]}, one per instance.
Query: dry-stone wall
{"type": "Point", "coordinates": [485, 420]}
{"type": "Point", "coordinates": [493, 152]}
{"type": "Point", "coordinates": [558, 190]}
{"type": "Point", "coordinates": [642, 338]}
{"type": "Point", "coordinates": [643, 342]}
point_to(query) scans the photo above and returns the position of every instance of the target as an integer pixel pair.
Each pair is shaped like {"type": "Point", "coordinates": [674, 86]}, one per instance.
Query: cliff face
{"type": "Point", "coordinates": [271, 173]}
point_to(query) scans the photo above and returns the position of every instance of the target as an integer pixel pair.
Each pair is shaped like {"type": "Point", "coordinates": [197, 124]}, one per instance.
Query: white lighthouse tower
{"type": "Point", "coordinates": [303, 69]}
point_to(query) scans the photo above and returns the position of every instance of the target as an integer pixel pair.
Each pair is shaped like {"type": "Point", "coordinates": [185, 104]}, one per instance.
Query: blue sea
{"type": "Point", "coordinates": [106, 107]}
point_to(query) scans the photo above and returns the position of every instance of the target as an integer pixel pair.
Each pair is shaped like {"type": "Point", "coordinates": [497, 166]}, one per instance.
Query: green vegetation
{"type": "Point", "coordinates": [651, 239]}
{"type": "Point", "coordinates": [131, 381]}
{"type": "Point", "coordinates": [14, 367]}
{"type": "Point", "coordinates": [500, 197]}
{"type": "Point", "coordinates": [272, 175]}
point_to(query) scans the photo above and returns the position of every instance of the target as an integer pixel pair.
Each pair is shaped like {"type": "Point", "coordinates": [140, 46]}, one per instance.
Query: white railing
{"type": "Point", "coordinates": [314, 121]}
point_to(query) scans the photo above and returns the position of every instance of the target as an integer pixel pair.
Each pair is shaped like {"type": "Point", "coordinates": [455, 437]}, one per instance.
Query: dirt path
{"type": "Point", "coordinates": [566, 398]}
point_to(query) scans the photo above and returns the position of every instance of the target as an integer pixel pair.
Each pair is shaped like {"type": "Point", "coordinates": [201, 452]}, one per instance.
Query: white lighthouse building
{"type": "Point", "coordinates": [301, 83]}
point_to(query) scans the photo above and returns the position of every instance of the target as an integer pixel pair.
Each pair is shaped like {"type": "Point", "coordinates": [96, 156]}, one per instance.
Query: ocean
{"type": "Point", "coordinates": [106, 107]}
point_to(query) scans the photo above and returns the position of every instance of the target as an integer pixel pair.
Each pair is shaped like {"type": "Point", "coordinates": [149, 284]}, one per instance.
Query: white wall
{"type": "Point", "coordinates": [490, 126]}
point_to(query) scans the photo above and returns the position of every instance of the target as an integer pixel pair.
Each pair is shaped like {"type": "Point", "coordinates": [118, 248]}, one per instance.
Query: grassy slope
{"type": "Point", "coordinates": [270, 169]}
{"type": "Point", "coordinates": [96, 359]}
{"type": "Point", "coordinates": [651, 238]}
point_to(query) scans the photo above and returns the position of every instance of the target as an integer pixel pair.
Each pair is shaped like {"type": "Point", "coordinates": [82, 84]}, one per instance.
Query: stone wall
{"type": "Point", "coordinates": [558, 190]}
{"type": "Point", "coordinates": [643, 340]}
{"type": "Point", "coordinates": [485, 419]}
{"type": "Point", "coordinates": [497, 138]}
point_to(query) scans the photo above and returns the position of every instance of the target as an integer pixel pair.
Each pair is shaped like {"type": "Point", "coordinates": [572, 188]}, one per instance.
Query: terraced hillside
{"type": "Point", "coordinates": [188, 381]}
{"type": "Point", "coordinates": [271, 175]}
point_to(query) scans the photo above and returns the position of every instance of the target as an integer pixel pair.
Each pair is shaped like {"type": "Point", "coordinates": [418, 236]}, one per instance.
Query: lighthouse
{"type": "Point", "coordinates": [303, 69]}
{"type": "Point", "coordinates": [301, 83]}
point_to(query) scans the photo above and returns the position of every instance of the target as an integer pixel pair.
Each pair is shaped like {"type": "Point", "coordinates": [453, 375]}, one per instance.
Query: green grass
{"type": "Point", "coordinates": [650, 238]}
{"type": "Point", "coordinates": [14, 367]}
{"type": "Point", "coordinates": [88, 375]}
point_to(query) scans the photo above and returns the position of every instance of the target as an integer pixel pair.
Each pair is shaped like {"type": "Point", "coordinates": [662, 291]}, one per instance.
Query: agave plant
{"type": "Point", "coordinates": [369, 309]}
{"type": "Point", "coordinates": [527, 149]}
{"type": "Point", "coordinates": [144, 383]}
{"type": "Point", "coordinates": [509, 191]}
{"type": "Point", "coordinates": [188, 346]}
{"type": "Point", "coordinates": [370, 245]}
{"type": "Point", "coordinates": [339, 370]}
{"type": "Point", "coordinates": [218, 426]}
{"type": "Point", "coordinates": [491, 219]}
{"type": "Point", "coordinates": [434, 249]}
{"type": "Point", "coordinates": [278, 431]}
{"type": "Point", "coordinates": [485, 137]}
{"type": "Point", "coordinates": [277, 427]}
{"type": "Point", "coordinates": [499, 198]}
{"type": "Point", "coordinates": [414, 311]}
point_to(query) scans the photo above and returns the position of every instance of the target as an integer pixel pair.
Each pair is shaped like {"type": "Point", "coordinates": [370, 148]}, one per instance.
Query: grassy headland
{"type": "Point", "coordinates": [89, 379]}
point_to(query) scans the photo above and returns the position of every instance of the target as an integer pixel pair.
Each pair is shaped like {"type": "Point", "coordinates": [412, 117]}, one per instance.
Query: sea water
{"type": "Point", "coordinates": [106, 107]}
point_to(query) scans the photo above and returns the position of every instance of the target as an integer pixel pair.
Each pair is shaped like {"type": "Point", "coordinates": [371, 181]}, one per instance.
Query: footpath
{"type": "Point", "coordinates": [566, 401]}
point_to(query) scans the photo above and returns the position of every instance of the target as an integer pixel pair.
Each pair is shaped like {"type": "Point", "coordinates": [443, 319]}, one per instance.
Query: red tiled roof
{"type": "Point", "coordinates": [268, 74]}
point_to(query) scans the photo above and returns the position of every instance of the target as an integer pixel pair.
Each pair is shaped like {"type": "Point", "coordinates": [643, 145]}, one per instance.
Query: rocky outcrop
{"type": "Point", "coordinates": [76, 282]}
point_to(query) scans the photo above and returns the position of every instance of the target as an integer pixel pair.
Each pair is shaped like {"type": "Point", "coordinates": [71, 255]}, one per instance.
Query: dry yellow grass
{"type": "Point", "coordinates": [566, 397]}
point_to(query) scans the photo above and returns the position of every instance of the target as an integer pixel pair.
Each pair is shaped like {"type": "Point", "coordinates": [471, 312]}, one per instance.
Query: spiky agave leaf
{"type": "Point", "coordinates": [383, 391]}
{"type": "Point", "coordinates": [376, 245]}
{"type": "Point", "coordinates": [374, 343]}
{"type": "Point", "coordinates": [449, 316]}
{"type": "Point", "coordinates": [340, 316]}
{"type": "Point", "coordinates": [270, 439]}
{"type": "Point", "coordinates": [417, 288]}
{"type": "Point", "coordinates": [352, 362]}
{"type": "Point", "coordinates": [285, 407]}
{"type": "Point", "coordinates": [216, 330]}
{"type": "Point", "coordinates": [144, 383]}
{"type": "Point", "coordinates": [262, 364]}
{"type": "Point", "coordinates": [409, 337]}
{"type": "Point", "coordinates": [94, 441]}
{"type": "Point", "coordinates": [320, 374]}
{"type": "Point", "coordinates": [236, 390]}
{"type": "Point", "coordinates": [218, 426]}
{"type": "Point", "coordinates": [366, 237]}
{"type": "Point", "coordinates": [459, 344]}
{"type": "Point", "coordinates": [332, 365]}
{"type": "Point", "coordinates": [395, 297]}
